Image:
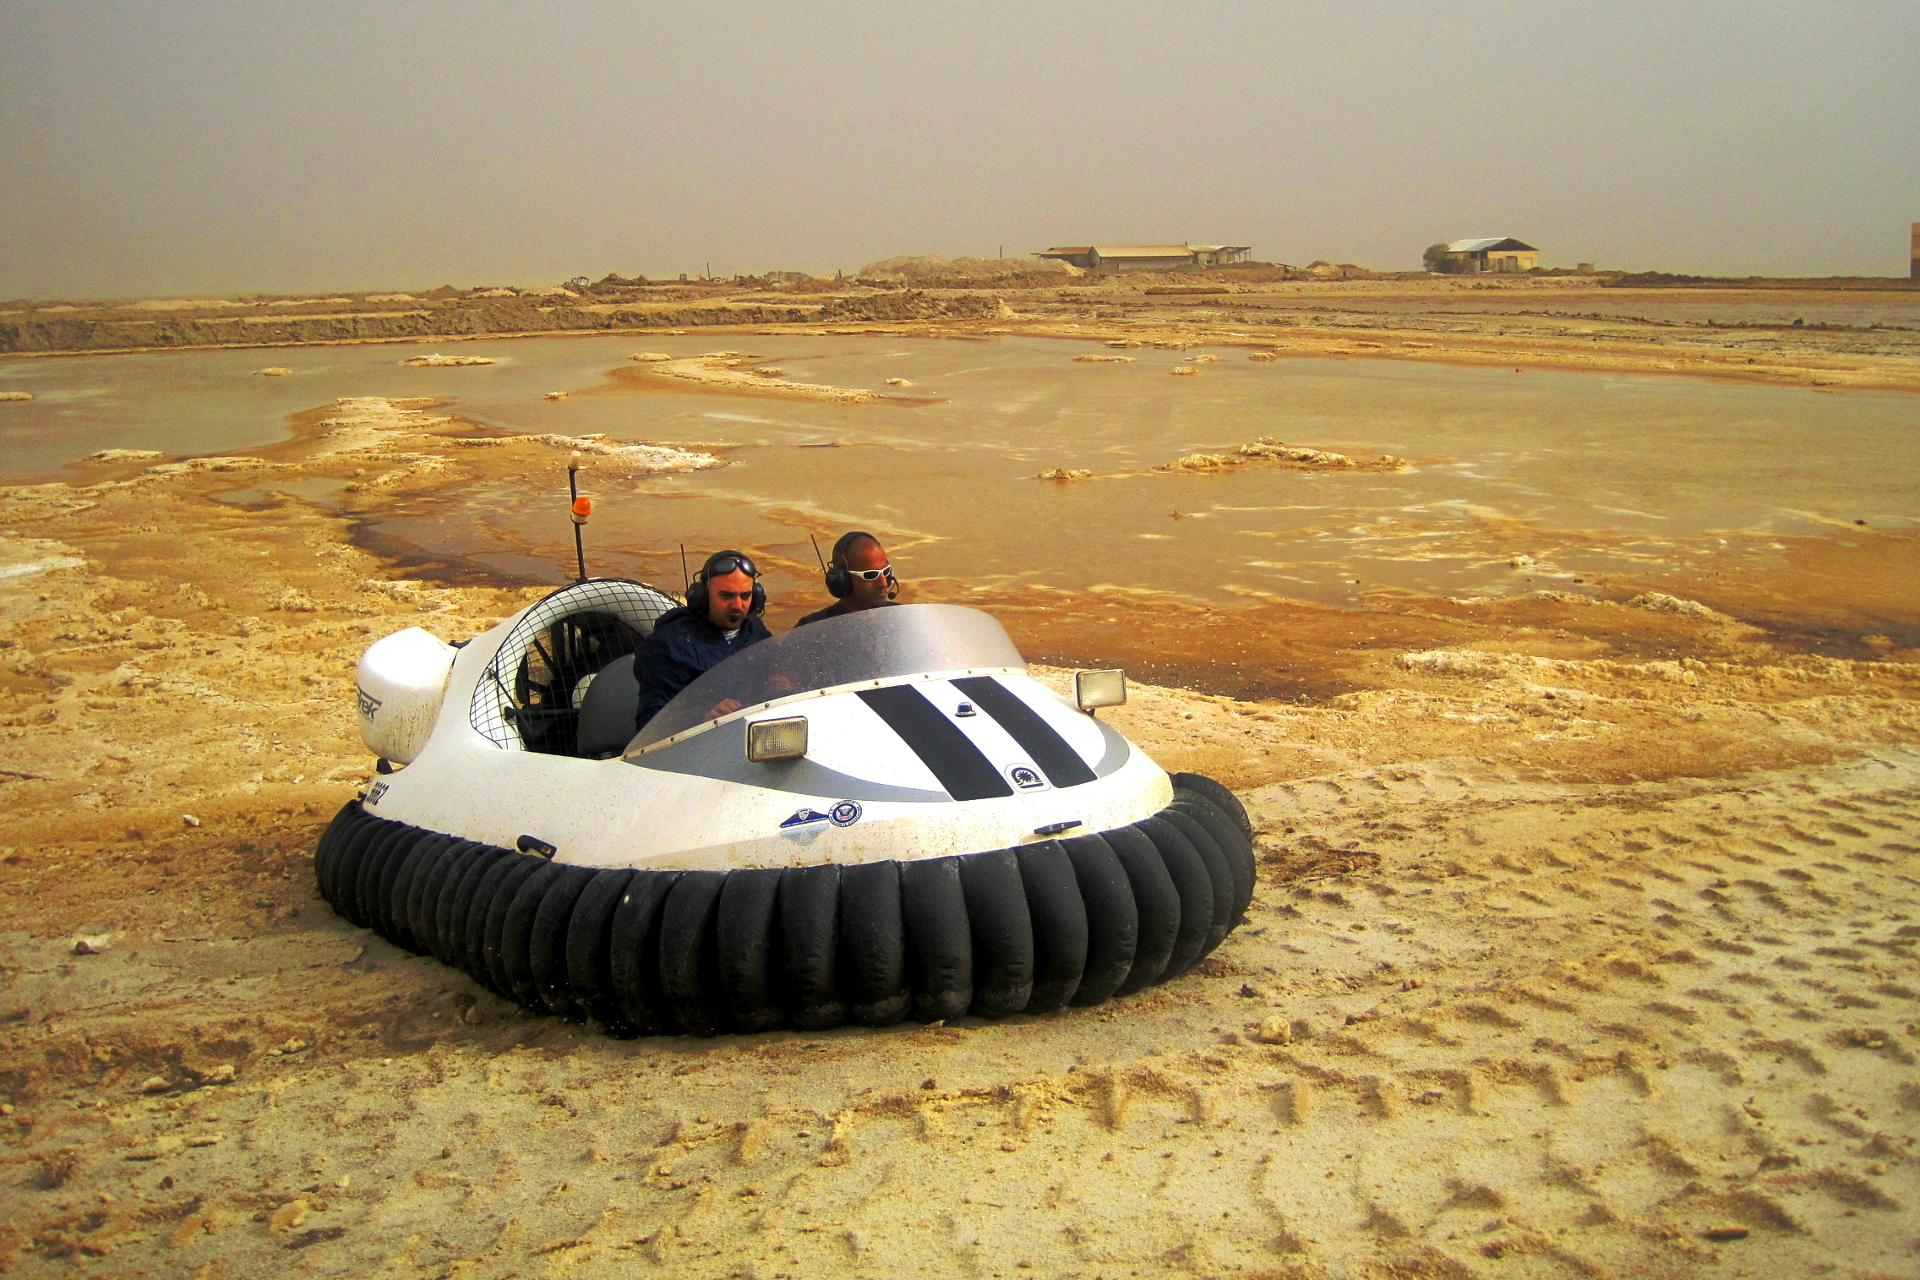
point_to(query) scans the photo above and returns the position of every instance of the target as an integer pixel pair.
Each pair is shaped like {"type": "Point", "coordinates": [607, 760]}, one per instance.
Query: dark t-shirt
{"type": "Point", "coordinates": [838, 608]}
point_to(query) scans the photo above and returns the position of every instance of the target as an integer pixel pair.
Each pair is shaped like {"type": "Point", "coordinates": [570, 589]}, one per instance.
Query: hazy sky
{"type": "Point", "coordinates": [157, 146]}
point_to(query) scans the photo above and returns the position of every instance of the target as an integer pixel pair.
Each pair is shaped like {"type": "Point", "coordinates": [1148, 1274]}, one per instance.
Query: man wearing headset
{"type": "Point", "coordinates": [720, 618]}
{"type": "Point", "coordinates": [859, 577]}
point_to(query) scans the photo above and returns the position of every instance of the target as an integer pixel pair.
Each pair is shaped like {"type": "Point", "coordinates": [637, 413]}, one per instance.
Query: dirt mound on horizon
{"type": "Point", "coordinates": [915, 304]}
{"type": "Point", "coordinates": [924, 267]}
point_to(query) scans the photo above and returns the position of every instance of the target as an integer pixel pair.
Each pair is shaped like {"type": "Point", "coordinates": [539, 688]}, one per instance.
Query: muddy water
{"type": "Point", "coordinates": [1588, 483]}
{"type": "Point", "coordinates": [1592, 477]}
{"type": "Point", "coordinates": [197, 402]}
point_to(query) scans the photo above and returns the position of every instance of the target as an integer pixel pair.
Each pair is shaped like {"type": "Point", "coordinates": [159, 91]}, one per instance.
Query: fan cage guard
{"type": "Point", "coordinates": [503, 686]}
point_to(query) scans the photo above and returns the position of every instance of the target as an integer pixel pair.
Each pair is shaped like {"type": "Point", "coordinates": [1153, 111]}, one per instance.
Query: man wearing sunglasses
{"type": "Point", "coordinates": [720, 618]}
{"type": "Point", "coordinates": [859, 577]}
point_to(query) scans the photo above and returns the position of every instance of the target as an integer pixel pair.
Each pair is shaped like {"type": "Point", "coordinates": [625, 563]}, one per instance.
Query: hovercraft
{"type": "Point", "coordinates": [897, 822]}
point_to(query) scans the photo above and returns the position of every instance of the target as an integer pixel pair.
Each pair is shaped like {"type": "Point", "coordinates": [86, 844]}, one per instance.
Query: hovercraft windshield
{"type": "Point", "coordinates": [870, 645]}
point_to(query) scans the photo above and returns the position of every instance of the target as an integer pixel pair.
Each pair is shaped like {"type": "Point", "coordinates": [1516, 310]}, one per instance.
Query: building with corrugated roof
{"type": "Point", "coordinates": [1147, 257]}
{"type": "Point", "coordinates": [1488, 253]}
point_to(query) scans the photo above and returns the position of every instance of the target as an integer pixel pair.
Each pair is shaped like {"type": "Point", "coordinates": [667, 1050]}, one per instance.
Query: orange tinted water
{"type": "Point", "coordinates": [1583, 483]}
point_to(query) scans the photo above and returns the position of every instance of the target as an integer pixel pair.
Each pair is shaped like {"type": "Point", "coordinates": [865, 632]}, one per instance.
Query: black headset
{"type": "Point", "coordinates": [839, 580]}
{"type": "Point", "coordinates": [720, 564]}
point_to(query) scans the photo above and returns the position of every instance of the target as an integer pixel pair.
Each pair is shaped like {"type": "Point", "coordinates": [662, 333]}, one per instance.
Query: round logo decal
{"type": "Point", "coordinates": [845, 813]}
{"type": "Point", "coordinates": [1025, 777]}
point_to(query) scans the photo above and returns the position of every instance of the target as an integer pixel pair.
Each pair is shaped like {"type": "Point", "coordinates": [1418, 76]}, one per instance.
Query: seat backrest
{"type": "Point", "coordinates": [608, 710]}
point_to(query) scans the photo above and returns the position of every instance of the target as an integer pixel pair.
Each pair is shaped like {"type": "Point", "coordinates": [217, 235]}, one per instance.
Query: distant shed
{"type": "Point", "coordinates": [1219, 255]}
{"type": "Point", "coordinates": [1501, 254]}
{"type": "Point", "coordinates": [1147, 257]}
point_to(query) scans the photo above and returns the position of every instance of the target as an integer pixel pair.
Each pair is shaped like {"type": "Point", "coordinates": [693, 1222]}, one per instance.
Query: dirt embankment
{"type": "Point", "coordinates": [66, 333]}
{"type": "Point", "coordinates": [915, 304]}
{"type": "Point", "coordinates": [1522, 324]}
{"type": "Point", "coordinates": [33, 333]}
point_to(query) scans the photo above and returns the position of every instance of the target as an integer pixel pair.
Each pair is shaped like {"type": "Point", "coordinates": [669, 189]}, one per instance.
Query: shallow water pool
{"type": "Point", "coordinates": [1514, 480]}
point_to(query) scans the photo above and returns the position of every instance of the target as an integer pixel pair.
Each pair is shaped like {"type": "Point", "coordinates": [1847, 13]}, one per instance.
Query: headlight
{"type": "Point", "coordinates": [784, 739]}
{"type": "Point", "coordinates": [1093, 689]}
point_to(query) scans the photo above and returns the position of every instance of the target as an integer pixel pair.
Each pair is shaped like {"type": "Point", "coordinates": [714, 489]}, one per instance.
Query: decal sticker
{"type": "Point", "coordinates": [803, 818]}
{"type": "Point", "coordinates": [1026, 777]}
{"type": "Point", "coordinates": [368, 703]}
{"type": "Point", "coordinates": [379, 789]}
{"type": "Point", "coordinates": [964, 709]}
{"type": "Point", "coordinates": [844, 814]}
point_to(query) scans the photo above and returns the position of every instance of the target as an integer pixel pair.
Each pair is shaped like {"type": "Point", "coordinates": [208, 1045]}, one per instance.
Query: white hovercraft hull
{"type": "Point", "coordinates": [952, 840]}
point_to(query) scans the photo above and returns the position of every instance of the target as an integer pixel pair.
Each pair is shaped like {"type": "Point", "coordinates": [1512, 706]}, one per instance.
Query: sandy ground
{"type": "Point", "coordinates": [1584, 946]}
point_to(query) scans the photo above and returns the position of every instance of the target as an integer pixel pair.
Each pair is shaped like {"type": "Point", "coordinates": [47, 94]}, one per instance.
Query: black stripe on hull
{"type": "Point", "coordinates": [1040, 740]}
{"type": "Point", "coordinates": [949, 753]}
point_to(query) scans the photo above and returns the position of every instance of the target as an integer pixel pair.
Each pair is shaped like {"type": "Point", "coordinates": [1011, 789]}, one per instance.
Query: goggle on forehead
{"type": "Point", "coordinates": [724, 565]}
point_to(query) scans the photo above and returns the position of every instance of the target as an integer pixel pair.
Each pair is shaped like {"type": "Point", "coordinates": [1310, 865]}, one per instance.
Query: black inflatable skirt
{"type": "Point", "coordinates": [1072, 921]}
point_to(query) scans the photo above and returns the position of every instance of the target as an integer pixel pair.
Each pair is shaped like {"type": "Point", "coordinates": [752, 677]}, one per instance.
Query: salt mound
{"type": "Point", "coordinates": [1066, 473]}
{"type": "Point", "coordinates": [276, 372]}
{"type": "Point", "coordinates": [1294, 453]}
{"type": "Point", "coordinates": [1452, 662]}
{"type": "Point", "coordinates": [1660, 602]}
{"type": "Point", "coordinates": [1186, 371]}
{"type": "Point", "coordinates": [195, 465]}
{"type": "Point", "coordinates": [649, 357]}
{"type": "Point", "coordinates": [1103, 359]}
{"type": "Point", "coordinates": [1268, 449]}
{"type": "Point", "coordinates": [16, 395]}
{"type": "Point", "coordinates": [111, 456]}
{"type": "Point", "coordinates": [437, 361]}
{"type": "Point", "coordinates": [643, 457]}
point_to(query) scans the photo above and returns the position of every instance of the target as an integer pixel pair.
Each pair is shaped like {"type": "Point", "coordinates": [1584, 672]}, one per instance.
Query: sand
{"type": "Point", "coordinates": [1583, 946]}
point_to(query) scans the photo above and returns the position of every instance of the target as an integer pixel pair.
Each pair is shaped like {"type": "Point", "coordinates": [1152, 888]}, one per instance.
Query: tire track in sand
{"type": "Point", "coordinates": [1544, 1030]}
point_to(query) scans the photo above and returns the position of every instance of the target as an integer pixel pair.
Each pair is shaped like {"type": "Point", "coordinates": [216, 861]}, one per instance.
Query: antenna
{"type": "Point", "coordinates": [578, 511]}
{"type": "Point", "coordinates": [685, 577]}
{"type": "Point", "coordinates": [816, 553]}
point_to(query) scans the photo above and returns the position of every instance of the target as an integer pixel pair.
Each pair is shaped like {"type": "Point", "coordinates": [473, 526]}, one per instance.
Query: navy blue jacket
{"type": "Point", "coordinates": [684, 646]}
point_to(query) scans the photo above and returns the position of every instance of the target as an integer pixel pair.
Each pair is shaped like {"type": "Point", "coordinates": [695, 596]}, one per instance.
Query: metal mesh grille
{"type": "Point", "coordinates": [526, 699]}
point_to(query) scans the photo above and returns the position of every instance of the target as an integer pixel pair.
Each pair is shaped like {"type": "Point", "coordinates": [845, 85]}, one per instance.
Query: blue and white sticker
{"type": "Point", "coordinates": [1025, 777]}
{"type": "Point", "coordinates": [803, 818]}
{"type": "Point", "coordinates": [844, 814]}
